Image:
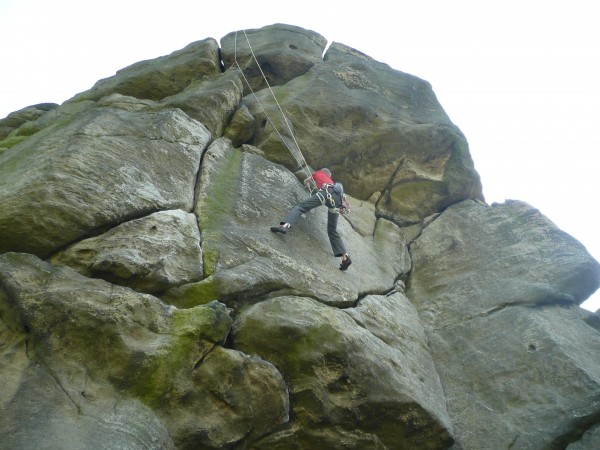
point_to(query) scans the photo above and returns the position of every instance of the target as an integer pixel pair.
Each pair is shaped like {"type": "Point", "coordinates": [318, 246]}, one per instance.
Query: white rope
{"type": "Point", "coordinates": [301, 162]}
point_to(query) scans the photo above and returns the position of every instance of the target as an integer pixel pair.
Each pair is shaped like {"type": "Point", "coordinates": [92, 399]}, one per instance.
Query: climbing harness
{"type": "Point", "coordinates": [325, 194]}
{"type": "Point", "coordinates": [298, 157]}
{"type": "Point", "coordinates": [327, 198]}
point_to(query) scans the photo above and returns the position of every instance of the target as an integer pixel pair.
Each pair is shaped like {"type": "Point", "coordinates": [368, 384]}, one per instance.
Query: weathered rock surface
{"type": "Point", "coordinates": [241, 127]}
{"type": "Point", "coordinates": [502, 255]}
{"type": "Point", "coordinates": [496, 288]}
{"type": "Point", "coordinates": [283, 52]}
{"type": "Point", "coordinates": [105, 167]}
{"type": "Point", "coordinates": [211, 102]}
{"type": "Point", "coordinates": [347, 374]}
{"type": "Point", "coordinates": [151, 197]}
{"type": "Point", "coordinates": [143, 350]}
{"type": "Point", "coordinates": [389, 135]}
{"type": "Point", "coordinates": [16, 119]}
{"type": "Point", "coordinates": [241, 195]}
{"type": "Point", "coordinates": [150, 254]}
{"type": "Point", "coordinates": [158, 78]}
{"type": "Point", "coordinates": [236, 397]}
{"type": "Point", "coordinates": [36, 413]}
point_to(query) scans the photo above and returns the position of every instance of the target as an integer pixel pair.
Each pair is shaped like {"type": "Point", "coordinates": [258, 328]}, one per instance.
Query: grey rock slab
{"type": "Point", "coordinates": [39, 414]}
{"type": "Point", "coordinates": [241, 127]}
{"type": "Point", "coordinates": [100, 168]}
{"type": "Point", "coordinates": [150, 254]}
{"type": "Point", "coordinates": [521, 377]}
{"type": "Point", "coordinates": [240, 195]}
{"type": "Point", "coordinates": [362, 216]}
{"type": "Point", "coordinates": [120, 101]}
{"type": "Point", "coordinates": [343, 375]}
{"type": "Point", "coordinates": [395, 321]}
{"type": "Point", "coordinates": [497, 289]}
{"type": "Point", "coordinates": [475, 258]}
{"type": "Point", "coordinates": [234, 398]}
{"type": "Point", "coordinates": [123, 327]}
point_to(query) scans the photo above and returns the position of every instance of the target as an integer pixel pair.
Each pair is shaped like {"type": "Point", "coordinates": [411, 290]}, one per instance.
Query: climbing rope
{"type": "Point", "coordinates": [299, 157]}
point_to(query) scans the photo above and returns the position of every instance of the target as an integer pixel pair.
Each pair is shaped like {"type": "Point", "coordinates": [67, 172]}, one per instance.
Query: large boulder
{"type": "Point", "coordinates": [150, 254]}
{"type": "Point", "coordinates": [240, 196]}
{"type": "Point", "coordinates": [235, 398]}
{"type": "Point", "coordinates": [16, 119]}
{"type": "Point", "coordinates": [283, 52]}
{"type": "Point", "coordinates": [212, 101]}
{"type": "Point", "coordinates": [158, 78]}
{"type": "Point", "coordinates": [101, 343]}
{"type": "Point", "coordinates": [377, 129]}
{"type": "Point", "coordinates": [40, 410]}
{"type": "Point", "coordinates": [503, 255]}
{"type": "Point", "coordinates": [100, 168]}
{"type": "Point", "coordinates": [497, 289]}
{"type": "Point", "coordinates": [360, 379]}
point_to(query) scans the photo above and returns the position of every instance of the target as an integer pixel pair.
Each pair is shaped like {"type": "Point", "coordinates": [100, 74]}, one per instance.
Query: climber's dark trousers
{"type": "Point", "coordinates": [337, 245]}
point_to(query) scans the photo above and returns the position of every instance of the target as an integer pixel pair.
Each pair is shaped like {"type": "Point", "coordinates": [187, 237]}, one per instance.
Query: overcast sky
{"type": "Point", "coordinates": [519, 77]}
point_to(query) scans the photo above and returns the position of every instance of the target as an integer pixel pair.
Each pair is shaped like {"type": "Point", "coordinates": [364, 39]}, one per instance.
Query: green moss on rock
{"type": "Point", "coordinates": [11, 141]}
{"type": "Point", "coordinates": [217, 206]}
{"type": "Point", "coordinates": [192, 335]}
{"type": "Point", "coordinates": [194, 294]}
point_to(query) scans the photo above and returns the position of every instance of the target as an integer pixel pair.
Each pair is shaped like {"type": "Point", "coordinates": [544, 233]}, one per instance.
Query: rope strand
{"type": "Point", "coordinates": [301, 162]}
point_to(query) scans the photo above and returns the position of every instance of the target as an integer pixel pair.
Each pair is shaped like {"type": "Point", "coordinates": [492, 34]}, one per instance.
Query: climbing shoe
{"type": "Point", "coordinates": [280, 229]}
{"type": "Point", "coordinates": [345, 263]}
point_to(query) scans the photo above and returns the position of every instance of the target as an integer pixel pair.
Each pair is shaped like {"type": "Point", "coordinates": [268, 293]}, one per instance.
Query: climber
{"type": "Point", "coordinates": [326, 193]}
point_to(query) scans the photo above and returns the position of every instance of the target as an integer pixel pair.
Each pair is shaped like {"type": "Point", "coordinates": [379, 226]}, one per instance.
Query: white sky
{"type": "Point", "coordinates": [519, 77]}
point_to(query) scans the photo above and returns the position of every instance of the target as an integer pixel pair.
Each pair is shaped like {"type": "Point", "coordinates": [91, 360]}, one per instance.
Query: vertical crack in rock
{"type": "Point", "coordinates": [201, 360]}
{"type": "Point", "coordinates": [386, 191]}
